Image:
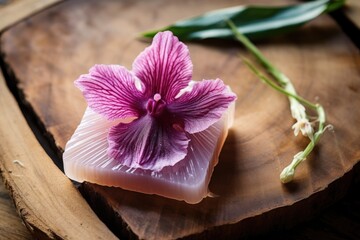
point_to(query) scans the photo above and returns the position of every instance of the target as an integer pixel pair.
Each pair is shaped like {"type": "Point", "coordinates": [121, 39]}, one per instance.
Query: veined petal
{"type": "Point", "coordinates": [164, 67]}
{"type": "Point", "coordinates": [147, 143]}
{"type": "Point", "coordinates": [203, 105]}
{"type": "Point", "coordinates": [110, 91]}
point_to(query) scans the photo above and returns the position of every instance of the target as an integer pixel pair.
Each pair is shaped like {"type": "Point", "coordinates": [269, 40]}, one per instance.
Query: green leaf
{"type": "Point", "coordinates": [252, 21]}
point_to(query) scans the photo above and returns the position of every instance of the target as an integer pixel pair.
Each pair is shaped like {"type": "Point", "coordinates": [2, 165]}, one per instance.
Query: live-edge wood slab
{"type": "Point", "coordinates": [15, 10]}
{"type": "Point", "coordinates": [352, 11]}
{"type": "Point", "coordinates": [47, 201]}
{"type": "Point", "coordinates": [11, 226]}
{"type": "Point", "coordinates": [49, 51]}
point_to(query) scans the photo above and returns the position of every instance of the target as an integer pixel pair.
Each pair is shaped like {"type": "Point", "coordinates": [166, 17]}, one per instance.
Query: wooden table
{"type": "Point", "coordinates": [340, 221]}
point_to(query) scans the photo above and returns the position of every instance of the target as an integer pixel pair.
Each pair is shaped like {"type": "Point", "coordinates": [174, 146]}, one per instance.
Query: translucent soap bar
{"type": "Point", "coordinates": [86, 159]}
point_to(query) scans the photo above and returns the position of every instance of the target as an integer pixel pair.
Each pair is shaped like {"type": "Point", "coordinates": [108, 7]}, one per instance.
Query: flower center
{"type": "Point", "coordinates": [155, 106]}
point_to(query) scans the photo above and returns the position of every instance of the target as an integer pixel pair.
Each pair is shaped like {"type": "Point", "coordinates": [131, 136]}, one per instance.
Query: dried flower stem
{"type": "Point", "coordinates": [298, 111]}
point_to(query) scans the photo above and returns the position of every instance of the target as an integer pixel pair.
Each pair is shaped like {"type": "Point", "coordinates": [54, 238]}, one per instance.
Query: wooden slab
{"type": "Point", "coordinates": [47, 201]}
{"type": "Point", "coordinates": [49, 51]}
{"type": "Point", "coordinates": [352, 11]}
{"type": "Point", "coordinates": [12, 228]}
{"type": "Point", "coordinates": [10, 13]}
{"type": "Point", "coordinates": [15, 10]}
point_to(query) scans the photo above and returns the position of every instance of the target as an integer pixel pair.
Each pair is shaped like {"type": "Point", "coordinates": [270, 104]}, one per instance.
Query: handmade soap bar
{"type": "Point", "coordinates": [151, 129]}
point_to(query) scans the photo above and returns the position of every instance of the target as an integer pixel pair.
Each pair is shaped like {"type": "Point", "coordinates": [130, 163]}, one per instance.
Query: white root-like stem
{"type": "Point", "coordinates": [297, 104]}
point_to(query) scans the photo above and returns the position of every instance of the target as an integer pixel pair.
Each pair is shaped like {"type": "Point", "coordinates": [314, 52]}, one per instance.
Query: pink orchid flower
{"type": "Point", "coordinates": [157, 95]}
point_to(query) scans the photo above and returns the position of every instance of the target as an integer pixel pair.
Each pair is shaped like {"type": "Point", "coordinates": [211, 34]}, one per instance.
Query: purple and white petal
{"type": "Point", "coordinates": [110, 91]}
{"type": "Point", "coordinates": [203, 105]}
{"type": "Point", "coordinates": [147, 143]}
{"type": "Point", "coordinates": [164, 67]}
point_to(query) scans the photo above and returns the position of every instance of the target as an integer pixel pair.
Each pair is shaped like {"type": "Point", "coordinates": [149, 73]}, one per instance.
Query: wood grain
{"type": "Point", "coordinates": [47, 201]}
{"type": "Point", "coordinates": [11, 226]}
{"type": "Point", "coordinates": [16, 10]}
{"type": "Point", "coordinates": [11, 12]}
{"type": "Point", "coordinates": [49, 51]}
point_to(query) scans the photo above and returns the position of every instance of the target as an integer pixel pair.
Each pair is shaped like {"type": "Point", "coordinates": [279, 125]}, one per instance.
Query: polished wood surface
{"type": "Point", "coordinates": [47, 52]}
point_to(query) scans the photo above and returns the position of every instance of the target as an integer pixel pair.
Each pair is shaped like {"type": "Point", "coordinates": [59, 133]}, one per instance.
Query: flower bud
{"type": "Point", "coordinates": [287, 175]}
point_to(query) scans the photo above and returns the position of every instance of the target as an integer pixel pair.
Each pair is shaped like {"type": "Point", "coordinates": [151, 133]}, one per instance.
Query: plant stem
{"type": "Point", "coordinates": [276, 87]}
{"type": "Point", "coordinates": [285, 87]}
{"type": "Point", "coordinates": [288, 172]}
